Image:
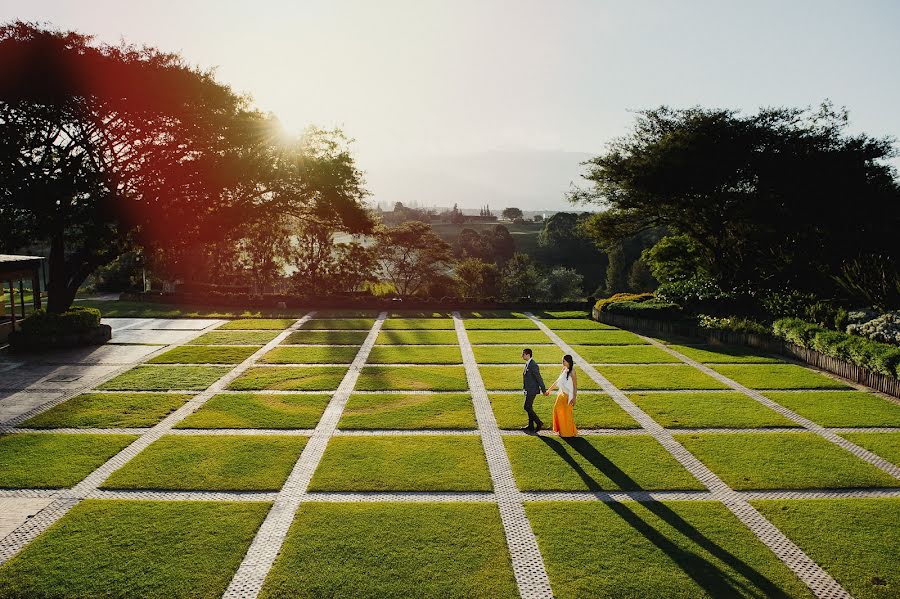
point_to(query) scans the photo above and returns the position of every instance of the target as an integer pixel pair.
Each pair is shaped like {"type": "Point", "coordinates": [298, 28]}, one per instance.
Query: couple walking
{"type": "Point", "coordinates": [567, 383]}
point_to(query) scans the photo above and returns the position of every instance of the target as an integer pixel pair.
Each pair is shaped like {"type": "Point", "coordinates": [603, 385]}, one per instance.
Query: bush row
{"type": "Point", "coordinates": [654, 310]}
{"type": "Point", "coordinates": [77, 319]}
{"type": "Point", "coordinates": [878, 357]}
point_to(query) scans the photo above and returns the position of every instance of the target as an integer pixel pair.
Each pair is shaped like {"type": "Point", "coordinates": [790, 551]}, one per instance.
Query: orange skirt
{"type": "Point", "coordinates": [563, 417]}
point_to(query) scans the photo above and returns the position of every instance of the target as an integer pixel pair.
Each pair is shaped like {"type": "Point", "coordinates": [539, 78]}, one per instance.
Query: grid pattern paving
{"type": "Point", "coordinates": [418, 362]}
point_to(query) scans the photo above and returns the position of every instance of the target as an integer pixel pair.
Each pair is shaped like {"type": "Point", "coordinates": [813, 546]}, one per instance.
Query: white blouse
{"type": "Point", "coordinates": [565, 384]}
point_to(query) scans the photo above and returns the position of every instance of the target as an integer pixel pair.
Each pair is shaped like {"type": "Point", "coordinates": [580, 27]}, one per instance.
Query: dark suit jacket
{"type": "Point", "coordinates": [532, 382]}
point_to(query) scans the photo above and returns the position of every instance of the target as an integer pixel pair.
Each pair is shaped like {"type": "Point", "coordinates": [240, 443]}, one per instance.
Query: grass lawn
{"type": "Point", "coordinates": [615, 337]}
{"type": "Point", "coordinates": [751, 461]}
{"type": "Point", "coordinates": [675, 376]}
{"type": "Point", "coordinates": [246, 324]}
{"type": "Point", "coordinates": [452, 550]}
{"type": "Point", "coordinates": [420, 314]}
{"type": "Point", "coordinates": [523, 338]}
{"type": "Point", "coordinates": [308, 378]}
{"type": "Point", "coordinates": [777, 376]}
{"type": "Point", "coordinates": [109, 410]}
{"type": "Point", "coordinates": [339, 324]}
{"type": "Point", "coordinates": [592, 410]}
{"type": "Point", "coordinates": [258, 410]}
{"type": "Point", "coordinates": [576, 324]}
{"type": "Point", "coordinates": [235, 338]}
{"type": "Point", "coordinates": [348, 313]}
{"type": "Point", "coordinates": [207, 354]}
{"type": "Point", "coordinates": [855, 540]}
{"type": "Point", "coordinates": [677, 549]}
{"type": "Point", "coordinates": [166, 378]}
{"type": "Point", "coordinates": [509, 324]}
{"type": "Point", "coordinates": [623, 354]}
{"type": "Point", "coordinates": [840, 408]}
{"type": "Point", "coordinates": [418, 324]}
{"type": "Point", "coordinates": [403, 463]}
{"type": "Point", "coordinates": [310, 355]}
{"type": "Point", "coordinates": [326, 338]}
{"type": "Point", "coordinates": [412, 378]}
{"type": "Point", "coordinates": [136, 549]}
{"type": "Point", "coordinates": [509, 378]}
{"type": "Point", "coordinates": [887, 445]}
{"type": "Point", "coordinates": [708, 410]}
{"type": "Point", "coordinates": [415, 354]}
{"type": "Point", "coordinates": [417, 338]}
{"type": "Point", "coordinates": [724, 354]}
{"type": "Point", "coordinates": [394, 411]}
{"type": "Point", "coordinates": [211, 463]}
{"type": "Point", "coordinates": [501, 354]}
{"type": "Point", "coordinates": [607, 463]}
{"type": "Point", "coordinates": [551, 314]}
{"type": "Point", "coordinates": [50, 461]}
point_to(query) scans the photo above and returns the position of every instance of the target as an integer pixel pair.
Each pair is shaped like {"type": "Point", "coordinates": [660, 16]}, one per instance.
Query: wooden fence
{"type": "Point", "coordinates": [766, 343]}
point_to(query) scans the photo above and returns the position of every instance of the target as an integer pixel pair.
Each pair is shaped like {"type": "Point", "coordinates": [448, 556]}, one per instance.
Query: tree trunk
{"type": "Point", "coordinates": [58, 297]}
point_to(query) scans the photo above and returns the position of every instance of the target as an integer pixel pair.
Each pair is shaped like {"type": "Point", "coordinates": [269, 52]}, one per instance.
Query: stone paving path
{"type": "Point", "coordinates": [35, 386]}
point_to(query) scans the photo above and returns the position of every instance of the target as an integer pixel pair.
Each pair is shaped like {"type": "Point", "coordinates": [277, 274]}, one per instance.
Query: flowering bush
{"type": "Point", "coordinates": [734, 324]}
{"type": "Point", "coordinates": [885, 328]}
{"type": "Point", "coordinates": [603, 304]}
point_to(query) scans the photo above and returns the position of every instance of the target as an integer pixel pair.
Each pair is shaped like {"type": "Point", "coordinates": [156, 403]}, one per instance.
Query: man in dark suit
{"type": "Point", "coordinates": [532, 384]}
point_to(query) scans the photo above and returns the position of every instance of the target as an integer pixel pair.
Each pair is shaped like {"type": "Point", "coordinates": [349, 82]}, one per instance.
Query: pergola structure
{"type": "Point", "coordinates": [20, 268]}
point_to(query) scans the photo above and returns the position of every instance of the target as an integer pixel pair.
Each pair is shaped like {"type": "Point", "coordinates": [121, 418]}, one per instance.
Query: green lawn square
{"type": "Point", "coordinates": [403, 463]}
{"type": "Point", "coordinates": [777, 376]}
{"type": "Point", "coordinates": [246, 324]}
{"type": "Point", "coordinates": [523, 338]}
{"type": "Point", "coordinates": [499, 314]}
{"type": "Point", "coordinates": [235, 338]}
{"type": "Point", "coordinates": [310, 355]}
{"type": "Point", "coordinates": [651, 377]}
{"type": "Point", "coordinates": [757, 461]}
{"type": "Point", "coordinates": [105, 548]}
{"type": "Point", "coordinates": [417, 314]}
{"type": "Point", "coordinates": [339, 324]}
{"type": "Point", "coordinates": [211, 463]}
{"type": "Point", "coordinates": [840, 408]}
{"type": "Point", "coordinates": [207, 354]}
{"type": "Point", "coordinates": [415, 354]}
{"type": "Point", "coordinates": [346, 313]}
{"type": "Point", "coordinates": [326, 338]}
{"type": "Point", "coordinates": [678, 549]}
{"type": "Point", "coordinates": [615, 337]}
{"type": "Point", "coordinates": [623, 354]}
{"type": "Point", "coordinates": [109, 410]}
{"type": "Point", "coordinates": [724, 354]}
{"type": "Point", "coordinates": [560, 314]}
{"type": "Point", "coordinates": [509, 324]}
{"type": "Point", "coordinates": [418, 324]}
{"type": "Point", "coordinates": [54, 461]}
{"type": "Point", "coordinates": [259, 410]}
{"type": "Point", "coordinates": [301, 378]}
{"type": "Point", "coordinates": [509, 378]}
{"type": "Point", "coordinates": [854, 540]}
{"type": "Point", "coordinates": [166, 378]}
{"type": "Point", "coordinates": [393, 550]}
{"type": "Point", "coordinates": [592, 410]}
{"type": "Point", "coordinates": [886, 445]}
{"type": "Point", "coordinates": [504, 354]}
{"type": "Point", "coordinates": [600, 463]}
{"type": "Point", "coordinates": [418, 411]}
{"type": "Point", "coordinates": [417, 338]}
{"type": "Point", "coordinates": [576, 324]}
{"type": "Point", "coordinates": [708, 410]}
{"type": "Point", "coordinates": [412, 378]}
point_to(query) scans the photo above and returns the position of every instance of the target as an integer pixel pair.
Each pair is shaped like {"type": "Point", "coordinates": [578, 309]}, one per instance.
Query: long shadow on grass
{"type": "Point", "coordinates": [703, 572]}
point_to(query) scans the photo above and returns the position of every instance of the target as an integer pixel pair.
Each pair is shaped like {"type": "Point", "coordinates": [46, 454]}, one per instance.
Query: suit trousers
{"type": "Point", "coordinates": [533, 420]}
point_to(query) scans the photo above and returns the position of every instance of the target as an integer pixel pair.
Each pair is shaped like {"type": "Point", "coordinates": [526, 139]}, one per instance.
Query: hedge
{"type": "Point", "coordinates": [75, 320]}
{"type": "Point", "coordinates": [603, 304]}
{"type": "Point", "coordinates": [878, 357]}
{"type": "Point", "coordinates": [653, 310]}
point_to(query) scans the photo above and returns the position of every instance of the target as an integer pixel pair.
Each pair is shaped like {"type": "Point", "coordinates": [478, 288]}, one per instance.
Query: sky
{"type": "Point", "coordinates": [498, 101]}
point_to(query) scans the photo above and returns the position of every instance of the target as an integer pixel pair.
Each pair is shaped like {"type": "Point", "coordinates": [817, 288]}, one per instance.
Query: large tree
{"type": "Point", "coordinates": [412, 256]}
{"type": "Point", "coordinates": [101, 146]}
{"type": "Point", "coordinates": [783, 197]}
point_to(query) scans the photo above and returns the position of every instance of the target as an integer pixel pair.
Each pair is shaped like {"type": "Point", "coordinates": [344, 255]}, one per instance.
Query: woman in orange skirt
{"type": "Point", "coordinates": [567, 383]}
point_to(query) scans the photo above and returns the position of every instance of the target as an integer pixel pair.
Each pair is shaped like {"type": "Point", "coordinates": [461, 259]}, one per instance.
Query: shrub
{"type": "Point", "coordinates": [885, 328]}
{"type": "Point", "coordinates": [786, 304]}
{"type": "Point", "coordinates": [733, 324]}
{"type": "Point", "coordinates": [74, 320]}
{"type": "Point", "coordinates": [796, 331]}
{"type": "Point", "coordinates": [655, 310]}
{"type": "Point", "coordinates": [603, 304]}
{"type": "Point", "coordinates": [861, 316]}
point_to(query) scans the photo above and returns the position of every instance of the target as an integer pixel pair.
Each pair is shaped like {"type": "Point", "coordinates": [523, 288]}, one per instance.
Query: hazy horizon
{"type": "Point", "coordinates": [498, 102]}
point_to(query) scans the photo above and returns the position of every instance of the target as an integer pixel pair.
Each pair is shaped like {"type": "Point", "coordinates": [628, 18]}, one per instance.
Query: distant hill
{"type": "Point", "coordinates": [530, 180]}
